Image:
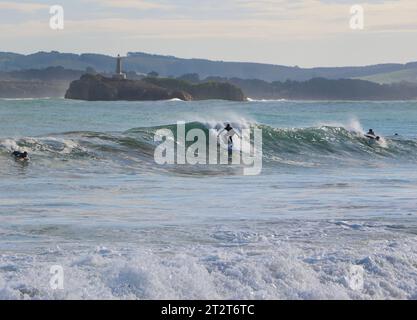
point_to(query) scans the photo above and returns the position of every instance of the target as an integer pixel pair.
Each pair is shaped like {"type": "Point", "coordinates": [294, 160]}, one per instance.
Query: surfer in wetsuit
{"type": "Point", "coordinates": [230, 133]}
{"type": "Point", "coordinates": [371, 134]}
{"type": "Point", "coordinates": [21, 156]}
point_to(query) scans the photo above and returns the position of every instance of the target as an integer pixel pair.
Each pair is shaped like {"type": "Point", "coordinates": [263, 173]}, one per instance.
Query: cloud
{"type": "Point", "coordinates": [302, 19]}
{"type": "Point", "coordinates": [186, 26]}
{"type": "Point", "coordinates": [270, 19]}
{"type": "Point", "coordinates": [22, 7]}
{"type": "Point", "coordinates": [133, 4]}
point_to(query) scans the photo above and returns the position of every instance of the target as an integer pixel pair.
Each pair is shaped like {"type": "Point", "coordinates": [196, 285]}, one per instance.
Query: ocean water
{"type": "Point", "coordinates": [327, 208]}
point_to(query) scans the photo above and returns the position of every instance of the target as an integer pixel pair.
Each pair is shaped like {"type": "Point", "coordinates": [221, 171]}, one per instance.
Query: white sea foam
{"type": "Point", "coordinates": [352, 125]}
{"type": "Point", "coordinates": [40, 145]}
{"type": "Point", "coordinates": [9, 145]}
{"type": "Point", "coordinates": [27, 99]}
{"type": "Point", "coordinates": [266, 263]}
{"type": "Point", "coordinates": [266, 100]}
{"type": "Point", "coordinates": [176, 100]}
{"type": "Point", "coordinates": [237, 121]}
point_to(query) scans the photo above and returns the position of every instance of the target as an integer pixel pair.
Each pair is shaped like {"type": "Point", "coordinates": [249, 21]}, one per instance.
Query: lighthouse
{"type": "Point", "coordinates": [119, 74]}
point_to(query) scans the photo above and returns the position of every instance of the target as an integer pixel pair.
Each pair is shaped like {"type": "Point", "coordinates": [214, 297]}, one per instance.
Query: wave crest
{"type": "Point", "coordinates": [315, 146]}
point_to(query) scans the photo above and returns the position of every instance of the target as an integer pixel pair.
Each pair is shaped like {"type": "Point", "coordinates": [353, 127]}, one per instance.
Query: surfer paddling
{"type": "Point", "coordinates": [20, 156]}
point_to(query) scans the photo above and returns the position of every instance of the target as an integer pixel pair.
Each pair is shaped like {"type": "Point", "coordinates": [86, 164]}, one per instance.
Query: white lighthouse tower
{"type": "Point", "coordinates": [119, 74]}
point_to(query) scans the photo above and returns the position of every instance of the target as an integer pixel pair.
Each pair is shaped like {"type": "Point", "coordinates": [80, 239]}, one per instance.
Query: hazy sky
{"type": "Point", "coordinates": [288, 32]}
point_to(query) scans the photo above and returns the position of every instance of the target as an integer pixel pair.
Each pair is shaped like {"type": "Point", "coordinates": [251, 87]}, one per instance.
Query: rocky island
{"type": "Point", "coordinates": [99, 88]}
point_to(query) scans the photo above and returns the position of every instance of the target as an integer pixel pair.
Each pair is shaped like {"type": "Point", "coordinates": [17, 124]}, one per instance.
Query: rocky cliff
{"type": "Point", "coordinates": [98, 88]}
{"type": "Point", "coordinates": [203, 90]}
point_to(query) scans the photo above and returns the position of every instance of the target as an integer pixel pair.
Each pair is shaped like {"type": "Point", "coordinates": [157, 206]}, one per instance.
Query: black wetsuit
{"type": "Point", "coordinates": [20, 155]}
{"type": "Point", "coordinates": [230, 141]}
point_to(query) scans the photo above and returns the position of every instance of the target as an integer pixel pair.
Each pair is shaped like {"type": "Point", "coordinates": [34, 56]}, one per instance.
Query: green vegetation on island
{"type": "Point", "coordinates": [99, 88]}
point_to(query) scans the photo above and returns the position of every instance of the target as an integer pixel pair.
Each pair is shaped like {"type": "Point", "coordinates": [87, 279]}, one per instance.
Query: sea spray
{"type": "Point", "coordinates": [323, 145]}
{"type": "Point", "coordinates": [203, 146]}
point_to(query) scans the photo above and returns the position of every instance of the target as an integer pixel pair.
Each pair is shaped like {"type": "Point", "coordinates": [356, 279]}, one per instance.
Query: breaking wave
{"type": "Point", "coordinates": [315, 146]}
{"type": "Point", "coordinates": [263, 262]}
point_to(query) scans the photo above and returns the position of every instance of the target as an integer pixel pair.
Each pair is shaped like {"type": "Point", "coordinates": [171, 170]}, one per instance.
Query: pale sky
{"type": "Point", "coordinates": [287, 32]}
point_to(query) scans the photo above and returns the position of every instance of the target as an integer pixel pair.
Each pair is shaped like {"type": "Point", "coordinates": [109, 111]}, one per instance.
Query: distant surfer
{"type": "Point", "coordinates": [20, 156]}
{"type": "Point", "coordinates": [230, 132]}
{"type": "Point", "coordinates": [371, 135]}
{"type": "Point", "coordinates": [371, 132]}
{"type": "Point", "coordinates": [229, 135]}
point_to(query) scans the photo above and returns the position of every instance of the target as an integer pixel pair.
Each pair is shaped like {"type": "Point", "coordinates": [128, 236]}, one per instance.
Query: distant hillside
{"type": "Point", "coordinates": [48, 74]}
{"type": "Point", "coordinates": [32, 89]}
{"type": "Point", "coordinates": [324, 89]}
{"type": "Point", "coordinates": [37, 83]}
{"type": "Point", "coordinates": [42, 60]}
{"type": "Point", "coordinates": [172, 66]}
{"type": "Point", "coordinates": [407, 75]}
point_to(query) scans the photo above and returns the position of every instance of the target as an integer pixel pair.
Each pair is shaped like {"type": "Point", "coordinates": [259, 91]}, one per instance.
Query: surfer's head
{"type": "Point", "coordinates": [228, 126]}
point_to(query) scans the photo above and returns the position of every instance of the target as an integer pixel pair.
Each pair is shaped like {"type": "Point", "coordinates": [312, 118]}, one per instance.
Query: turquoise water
{"type": "Point", "coordinates": [93, 200]}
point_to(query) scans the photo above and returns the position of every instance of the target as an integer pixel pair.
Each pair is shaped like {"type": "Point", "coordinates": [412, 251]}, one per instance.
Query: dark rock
{"type": "Point", "coordinates": [201, 91]}
{"type": "Point", "coordinates": [98, 88]}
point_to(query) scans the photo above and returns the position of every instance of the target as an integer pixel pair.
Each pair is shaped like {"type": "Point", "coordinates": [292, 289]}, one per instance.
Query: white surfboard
{"type": "Point", "coordinates": [370, 136]}
{"type": "Point", "coordinates": [230, 133]}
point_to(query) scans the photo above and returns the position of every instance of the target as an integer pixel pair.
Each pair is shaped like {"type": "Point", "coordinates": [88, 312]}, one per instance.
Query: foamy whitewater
{"type": "Point", "coordinates": [93, 201]}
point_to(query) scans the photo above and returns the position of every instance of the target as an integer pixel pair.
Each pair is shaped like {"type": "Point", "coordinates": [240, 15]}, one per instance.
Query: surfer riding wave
{"type": "Point", "coordinates": [229, 135]}
{"type": "Point", "coordinates": [371, 135]}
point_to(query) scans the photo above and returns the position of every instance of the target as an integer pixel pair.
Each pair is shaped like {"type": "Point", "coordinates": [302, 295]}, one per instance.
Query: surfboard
{"type": "Point", "coordinates": [230, 133]}
{"type": "Point", "coordinates": [370, 136]}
